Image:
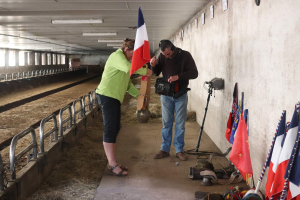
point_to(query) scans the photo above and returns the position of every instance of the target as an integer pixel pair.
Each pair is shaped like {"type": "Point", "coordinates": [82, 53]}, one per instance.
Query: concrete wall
{"type": "Point", "coordinates": [256, 46]}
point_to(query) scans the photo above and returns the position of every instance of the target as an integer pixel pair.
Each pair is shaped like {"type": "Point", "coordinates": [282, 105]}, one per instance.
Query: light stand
{"type": "Point", "coordinates": [216, 84]}
{"type": "Point", "coordinates": [206, 108]}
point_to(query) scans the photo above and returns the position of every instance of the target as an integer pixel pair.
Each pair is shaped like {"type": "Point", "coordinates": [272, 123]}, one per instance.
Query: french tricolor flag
{"type": "Point", "coordinates": [273, 162]}
{"type": "Point", "coordinates": [285, 154]}
{"type": "Point", "coordinates": [141, 54]}
{"type": "Point", "coordinates": [293, 171]}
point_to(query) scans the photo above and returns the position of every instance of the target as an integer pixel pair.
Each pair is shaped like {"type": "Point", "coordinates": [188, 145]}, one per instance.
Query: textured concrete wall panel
{"type": "Point", "coordinates": [256, 46]}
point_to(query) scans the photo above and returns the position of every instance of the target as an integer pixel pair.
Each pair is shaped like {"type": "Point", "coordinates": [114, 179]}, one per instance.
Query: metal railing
{"type": "Point", "coordinates": [57, 130]}
{"type": "Point", "coordinates": [80, 110]}
{"type": "Point", "coordinates": [32, 145]}
{"type": "Point", "coordinates": [24, 75]}
{"type": "Point", "coordinates": [14, 76]}
{"type": "Point", "coordinates": [62, 122]}
{"type": "Point", "coordinates": [43, 135]}
{"type": "Point", "coordinates": [93, 98]}
{"type": "Point", "coordinates": [29, 74]}
{"type": "Point", "coordinates": [8, 77]}
{"type": "Point", "coordinates": [19, 75]}
{"type": "Point", "coordinates": [88, 105]}
{"type": "Point", "coordinates": [2, 77]}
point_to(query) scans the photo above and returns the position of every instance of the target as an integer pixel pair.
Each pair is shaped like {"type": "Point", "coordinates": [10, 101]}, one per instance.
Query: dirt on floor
{"type": "Point", "coordinates": [29, 91]}
{"type": "Point", "coordinates": [78, 174]}
{"type": "Point", "coordinates": [17, 119]}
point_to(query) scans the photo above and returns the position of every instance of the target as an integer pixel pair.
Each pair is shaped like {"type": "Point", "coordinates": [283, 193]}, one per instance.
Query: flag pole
{"type": "Point", "coordinates": [268, 157]}
{"type": "Point", "coordinates": [202, 126]}
{"type": "Point", "coordinates": [285, 188]}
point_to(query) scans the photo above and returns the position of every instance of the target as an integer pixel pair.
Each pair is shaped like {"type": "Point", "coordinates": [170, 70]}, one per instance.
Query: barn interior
{"type": "Point", "coordinates": [52, 57]}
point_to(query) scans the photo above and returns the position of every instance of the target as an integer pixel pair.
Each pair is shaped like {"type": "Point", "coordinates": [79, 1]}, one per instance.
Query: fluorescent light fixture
{"type": "Point", "coordinates": [43, 47]}
{"type": "Point", "coordinates": [58, 49]}
{"type": "Point", "coordinates": [110, 40]}
{"type": "Point", "coordinates": [79, 21]}
{"type": "Point", "coordinates": [98, 34]}
{"type": "Point", "coordinates": [114, 45]}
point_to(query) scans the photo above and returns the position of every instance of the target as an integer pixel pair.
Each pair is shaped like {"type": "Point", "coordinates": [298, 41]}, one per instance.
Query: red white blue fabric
{"type": "Point", "coordinates": [285, 154]}
{"type": "Point", "coordinates": [274, 158]}
{"type": "Point", "coordinates": [141, 54]}
{"type": "Point", "coordinates": [293, 169]}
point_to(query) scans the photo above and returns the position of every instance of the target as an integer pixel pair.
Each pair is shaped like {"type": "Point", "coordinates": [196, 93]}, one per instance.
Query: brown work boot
{"type": "Point", "coordinates": [181, 156]}
{"type": "Point", "coordinates": [161, 154]}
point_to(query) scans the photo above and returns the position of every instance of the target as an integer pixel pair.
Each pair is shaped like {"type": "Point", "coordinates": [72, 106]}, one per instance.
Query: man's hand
{"type": "Point", "coordinates": [173, 78]}
{"type": "Point", "coordinates": [153, 61]}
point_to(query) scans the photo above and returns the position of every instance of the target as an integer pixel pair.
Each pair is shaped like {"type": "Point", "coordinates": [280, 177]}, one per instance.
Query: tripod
{"type": "Point", "coordinates": [202, 126]}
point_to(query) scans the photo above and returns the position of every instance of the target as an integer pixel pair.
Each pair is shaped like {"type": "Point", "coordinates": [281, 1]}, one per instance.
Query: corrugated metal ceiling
{"type": "Point", "coordinates": [26, 24]}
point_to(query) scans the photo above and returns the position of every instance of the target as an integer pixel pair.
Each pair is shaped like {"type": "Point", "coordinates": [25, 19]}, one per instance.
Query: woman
{"type": "Point", "coordinates": [114, 84]}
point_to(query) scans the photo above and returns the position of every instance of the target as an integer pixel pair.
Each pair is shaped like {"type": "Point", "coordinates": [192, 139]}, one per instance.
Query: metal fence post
{"type": "Point", "coordinates": [32, 145]}
{"type": "Point", "coordinates": [42, 127]}
{"type": "Point", "coordinates": [61, 121]}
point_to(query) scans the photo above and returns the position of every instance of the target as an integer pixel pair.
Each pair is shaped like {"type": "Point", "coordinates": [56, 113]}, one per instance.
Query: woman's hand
{"type": "Point", "coordinates": [149, 72]}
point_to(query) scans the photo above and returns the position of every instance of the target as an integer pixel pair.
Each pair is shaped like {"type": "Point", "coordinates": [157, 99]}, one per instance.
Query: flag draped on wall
{"type": "Point", "coordinates": [232, 114]}
{"type": "Point", "coordinates": [285, 154]}
{"type": "Point", "coordinates": [273, 162]}
{"type": "Point", "coordinates": [240, 153]}
{"type": "Point", "coordinates": [141, 54]}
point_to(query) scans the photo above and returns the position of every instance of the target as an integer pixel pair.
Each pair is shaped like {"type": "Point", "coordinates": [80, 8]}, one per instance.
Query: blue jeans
{"type": "Point", "coordinates": [169, 107]}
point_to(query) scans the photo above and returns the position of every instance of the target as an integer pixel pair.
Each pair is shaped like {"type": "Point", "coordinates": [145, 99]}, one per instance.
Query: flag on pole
{"type": "Point", "coordinates": [246, 115]}
{"type": "Point", "coordinates": [141, 54]}
{"type": "Point", "coordinates": [235, 125]}
{"type": "Point", "coordinates": [238, 115]}
{"type": "Point", "coordinates": [274, 157]}
{"type": "Point", "coordinates": [294, 174]}
{"type": "Point", "coordinates": [286, 152]}
{"type": "Point", "coordinates": [294, 178]}
{"type": "Point", "coordinates": [268, 159]}
{"type": "Point", "coordinates": [232, 114]}
{"type": "Point", "coordinates": [240, 152]}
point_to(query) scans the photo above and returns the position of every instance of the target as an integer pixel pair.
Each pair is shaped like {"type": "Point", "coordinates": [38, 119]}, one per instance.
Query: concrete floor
{"type": "Point", "coordinates": [153, 179]}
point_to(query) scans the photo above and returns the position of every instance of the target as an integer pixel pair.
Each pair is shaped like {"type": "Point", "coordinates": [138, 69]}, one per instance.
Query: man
{"type": "Point", "coordinates": [177, 66]}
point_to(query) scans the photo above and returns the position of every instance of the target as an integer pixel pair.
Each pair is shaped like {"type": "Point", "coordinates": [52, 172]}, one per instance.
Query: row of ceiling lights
{"type": "Point", "coordinates": [90, 21]}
